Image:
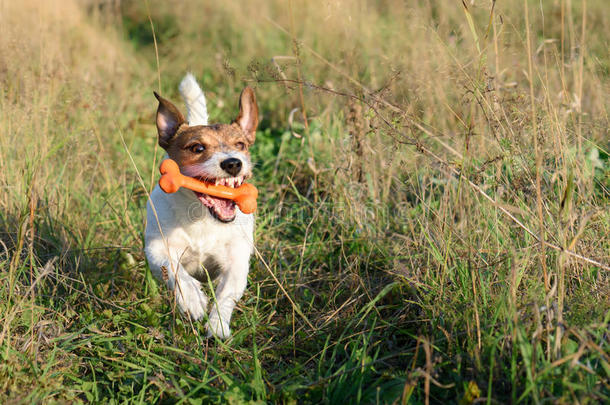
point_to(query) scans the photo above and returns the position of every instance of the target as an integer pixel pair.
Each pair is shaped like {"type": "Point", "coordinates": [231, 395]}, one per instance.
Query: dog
{"type": "Point", "coordinates": [192, 238]}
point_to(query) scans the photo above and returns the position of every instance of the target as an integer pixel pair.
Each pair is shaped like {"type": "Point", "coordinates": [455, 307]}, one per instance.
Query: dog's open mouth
{"type": "Point", "coordinates": [222, 209]}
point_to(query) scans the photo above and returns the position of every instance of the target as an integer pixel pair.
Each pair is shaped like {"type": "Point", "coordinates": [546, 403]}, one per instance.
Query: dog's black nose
{"type": "Point", "coordinates": [231, 166]}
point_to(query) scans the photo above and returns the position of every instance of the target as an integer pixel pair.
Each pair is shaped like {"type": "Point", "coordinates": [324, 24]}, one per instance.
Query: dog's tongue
{"type": "Point", "coordinates": [223, 209]}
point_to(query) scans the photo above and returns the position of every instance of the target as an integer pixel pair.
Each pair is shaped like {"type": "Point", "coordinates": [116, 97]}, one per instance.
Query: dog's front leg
{"type": "Point", "coordinates": [190, 298]}
{"type": "Point", "coordinates": [231, 286]}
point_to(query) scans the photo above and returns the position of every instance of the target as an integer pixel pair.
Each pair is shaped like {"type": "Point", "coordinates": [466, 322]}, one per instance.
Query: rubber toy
{"type": "Point", "coordinates": [171, 181]}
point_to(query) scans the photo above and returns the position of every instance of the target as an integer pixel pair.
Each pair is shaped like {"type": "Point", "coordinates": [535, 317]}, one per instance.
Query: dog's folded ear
{"type": "Point", "coordinates": [169, 119]}
{"type": "Point", "coordinates": [248, 114]}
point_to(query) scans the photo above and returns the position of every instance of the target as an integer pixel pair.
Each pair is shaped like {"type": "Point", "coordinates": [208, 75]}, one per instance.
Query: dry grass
{"type": "Point", "coordinates": [403, 217]}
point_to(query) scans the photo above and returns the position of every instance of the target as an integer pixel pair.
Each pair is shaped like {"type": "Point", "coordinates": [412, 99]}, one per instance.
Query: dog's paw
{"type": "Point", "coordinates": [217, 327]}
{"type": "Point", "coordinates": [191, 300]}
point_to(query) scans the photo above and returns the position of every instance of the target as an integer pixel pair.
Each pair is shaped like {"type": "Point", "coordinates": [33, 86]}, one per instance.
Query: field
{"type": "Point", "coordinates": [434, 211]}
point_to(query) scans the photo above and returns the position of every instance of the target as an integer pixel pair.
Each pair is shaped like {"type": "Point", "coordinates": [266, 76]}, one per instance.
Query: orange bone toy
{"type": "Point", "coordinates": [171, 180]}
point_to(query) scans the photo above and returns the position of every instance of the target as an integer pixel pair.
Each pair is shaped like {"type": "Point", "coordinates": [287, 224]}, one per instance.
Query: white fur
{"type": "Point", "coordinates": [181, 236]}
{"type": "Point", "coordinates": [197, 111]}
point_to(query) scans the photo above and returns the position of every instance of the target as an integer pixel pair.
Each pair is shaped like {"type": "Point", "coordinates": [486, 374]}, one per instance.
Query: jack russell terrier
{"type": "Point", "coordinates": [192, 237]}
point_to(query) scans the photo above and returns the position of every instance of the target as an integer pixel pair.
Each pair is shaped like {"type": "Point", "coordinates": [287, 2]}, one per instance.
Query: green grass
{"type": "Point", "coordinates": [382, 273]}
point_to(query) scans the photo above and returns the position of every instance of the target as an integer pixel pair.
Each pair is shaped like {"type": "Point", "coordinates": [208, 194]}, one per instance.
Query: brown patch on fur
{"type": "Point", "coordinates": [248, 113]}
{"type": "Point", "coordinates": [214, 138]}
{"type": "Point", "coordinates": [179, 139]}
{"type": "Point", "coordinates": [169, 119]}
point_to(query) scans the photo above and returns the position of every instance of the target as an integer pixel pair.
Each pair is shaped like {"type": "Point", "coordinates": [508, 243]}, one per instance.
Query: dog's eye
{"type": "Point", "coordinates": [197, 148]}
{"type": "Point", "coordinates": [240, 145]}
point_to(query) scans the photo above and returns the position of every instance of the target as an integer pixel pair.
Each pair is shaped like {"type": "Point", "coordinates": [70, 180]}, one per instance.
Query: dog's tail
{"type": "Point", "coordinates": [197, 111]}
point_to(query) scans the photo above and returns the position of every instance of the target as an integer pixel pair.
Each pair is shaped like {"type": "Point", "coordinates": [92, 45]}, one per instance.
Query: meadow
{"type": "Point", "coordinates": [434, 211]}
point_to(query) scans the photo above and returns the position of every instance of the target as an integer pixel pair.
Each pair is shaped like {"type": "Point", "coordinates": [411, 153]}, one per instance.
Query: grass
{"type": "Point", "coordinates": [436, 231]}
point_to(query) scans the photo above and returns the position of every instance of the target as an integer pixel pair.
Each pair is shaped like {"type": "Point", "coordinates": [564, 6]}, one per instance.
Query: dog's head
{"type": "Point", "coordinates": [215, 153]}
